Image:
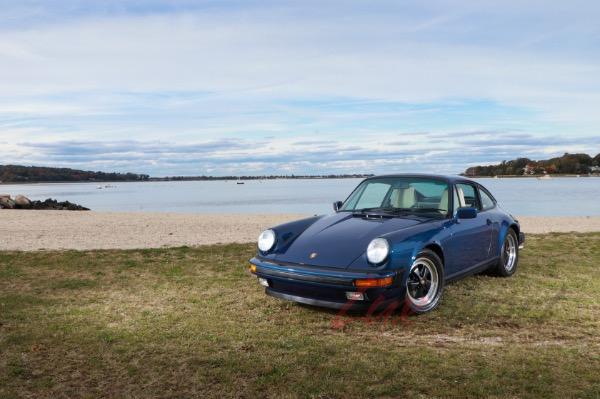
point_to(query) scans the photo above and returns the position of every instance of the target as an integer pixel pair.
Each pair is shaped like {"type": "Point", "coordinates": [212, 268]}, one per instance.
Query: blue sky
{"type": "Point", "coordinates": [253, 87]}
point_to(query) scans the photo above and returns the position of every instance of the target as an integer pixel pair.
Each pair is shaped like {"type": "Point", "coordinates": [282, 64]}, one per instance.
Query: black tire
{"type": "Point", "coordinates": [509, 260]}
{"type": "Point", "coordinates": [418, 297]}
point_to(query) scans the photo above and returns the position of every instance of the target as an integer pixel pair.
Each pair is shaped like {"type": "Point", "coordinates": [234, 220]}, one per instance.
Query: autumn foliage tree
{"type": "Point", "coordinates": [566, 164]}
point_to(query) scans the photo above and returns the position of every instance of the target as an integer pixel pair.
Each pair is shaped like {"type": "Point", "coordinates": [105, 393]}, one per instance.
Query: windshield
{"type": "Point", "coordinates": [400, 194]}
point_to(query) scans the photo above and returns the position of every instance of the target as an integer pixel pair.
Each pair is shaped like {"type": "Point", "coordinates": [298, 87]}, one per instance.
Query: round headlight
{"type": "Point", "coordinates": [378, 250]}
{"type": "Point", "coordinates": [266, 240]}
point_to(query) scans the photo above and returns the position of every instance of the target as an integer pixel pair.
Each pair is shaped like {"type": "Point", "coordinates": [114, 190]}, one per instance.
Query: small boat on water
{"type": "Point", "coordinates": [240, 182]}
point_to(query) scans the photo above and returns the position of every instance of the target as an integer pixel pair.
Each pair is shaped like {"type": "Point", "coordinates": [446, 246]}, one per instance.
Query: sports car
{"type": "Point", "coordinates": [397, 240]}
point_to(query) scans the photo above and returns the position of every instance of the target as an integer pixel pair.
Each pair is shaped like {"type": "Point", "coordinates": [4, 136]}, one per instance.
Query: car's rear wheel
{"type": "Point", "coordinates": [425, 282]}
{"type": "Point", "coordinates": [509, 255]}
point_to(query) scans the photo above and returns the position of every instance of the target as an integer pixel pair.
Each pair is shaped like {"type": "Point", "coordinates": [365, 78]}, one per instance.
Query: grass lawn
{"type": "Point", "coordinates": [183, 322]}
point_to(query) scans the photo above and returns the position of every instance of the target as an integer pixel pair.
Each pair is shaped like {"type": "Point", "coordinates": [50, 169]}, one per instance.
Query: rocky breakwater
{"type": "Point", "coordinates": [22, 202]}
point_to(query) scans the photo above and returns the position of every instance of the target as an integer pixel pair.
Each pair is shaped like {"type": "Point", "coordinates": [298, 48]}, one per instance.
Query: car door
{"type": "Point", "coordinates": [470, 239]}
{"type": "Point", "coordinates": [489, 208]}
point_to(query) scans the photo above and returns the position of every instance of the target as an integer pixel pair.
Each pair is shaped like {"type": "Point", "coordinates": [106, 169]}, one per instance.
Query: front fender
{"type": "Point", "coordinates": [286, 234]}
{"type": "Point", "coordinates": [405, 246]}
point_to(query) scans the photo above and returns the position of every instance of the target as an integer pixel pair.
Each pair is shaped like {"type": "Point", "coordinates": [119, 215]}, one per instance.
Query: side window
{"type": "Point", "coordinates": [469, 194]}
{"type": "Point", "coordinates": [486, 201]}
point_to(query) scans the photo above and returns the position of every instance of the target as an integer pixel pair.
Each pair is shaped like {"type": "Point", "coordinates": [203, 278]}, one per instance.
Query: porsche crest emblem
{"type": "Point", "coordinates": [313, 255]}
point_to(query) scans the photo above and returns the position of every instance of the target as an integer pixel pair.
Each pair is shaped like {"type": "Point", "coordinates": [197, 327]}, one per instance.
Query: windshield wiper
{"type": "Point", "coordinates": [373, 211]}
{"type": "Point", "coordinates": [396, 211]}
{"type": "Point", "coordinates": [399, 211]}
{"type": "Point", "coordinates": [365, 210]}
{"type": "Point", "coordinates": [430, 210]}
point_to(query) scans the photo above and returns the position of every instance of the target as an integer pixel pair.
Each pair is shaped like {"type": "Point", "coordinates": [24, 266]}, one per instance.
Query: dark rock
{"type": "Point", "coordinates": [52, 204]}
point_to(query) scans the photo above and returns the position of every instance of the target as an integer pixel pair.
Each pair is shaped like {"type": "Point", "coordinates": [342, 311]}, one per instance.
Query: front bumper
{"type": "Point", "coordinates": [326, 287]}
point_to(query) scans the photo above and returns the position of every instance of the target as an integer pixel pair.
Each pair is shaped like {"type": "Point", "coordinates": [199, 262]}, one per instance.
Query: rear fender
{"type": "Point", "coordinates": [505, 226]}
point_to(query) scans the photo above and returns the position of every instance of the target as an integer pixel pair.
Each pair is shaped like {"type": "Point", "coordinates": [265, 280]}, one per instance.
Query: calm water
{"type": "Point", "coordinates": [527, 197]}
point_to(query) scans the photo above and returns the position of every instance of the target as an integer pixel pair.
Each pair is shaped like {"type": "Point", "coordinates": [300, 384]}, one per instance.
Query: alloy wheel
{"type": "Point", "coordinates": [423, 282]}
{"type": "Point", "coordinates": [509, 252]}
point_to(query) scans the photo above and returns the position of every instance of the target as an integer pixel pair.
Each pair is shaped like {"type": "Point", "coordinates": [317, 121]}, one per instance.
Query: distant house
{"type": "Point", "coordinates": [529, 169]}
{"type": "Point", "coordinates": [594, 169]}
{"type": "Point", "coordinates": [532, 169]}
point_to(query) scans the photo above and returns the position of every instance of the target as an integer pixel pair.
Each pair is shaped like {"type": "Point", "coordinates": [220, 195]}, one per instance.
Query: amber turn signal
{"type": "Point", "coordinates": [373, 282]}
{"type": "Point", "coordinates": [252, 268]}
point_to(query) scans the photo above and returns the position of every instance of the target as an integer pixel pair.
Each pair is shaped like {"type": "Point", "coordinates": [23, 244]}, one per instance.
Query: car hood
{"type": "Point", "coordinates": [339, 239]}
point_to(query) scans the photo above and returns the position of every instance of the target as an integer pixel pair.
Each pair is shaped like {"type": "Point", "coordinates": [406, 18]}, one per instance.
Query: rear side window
{"type": "Point", "coordinates": [486, 200]}
{"type": "Point", "coordinates": [469, 194]}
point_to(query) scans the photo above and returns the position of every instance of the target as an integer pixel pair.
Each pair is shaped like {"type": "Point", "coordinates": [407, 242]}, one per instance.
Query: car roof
{"type": "Point", "coordinates": [447, 178]}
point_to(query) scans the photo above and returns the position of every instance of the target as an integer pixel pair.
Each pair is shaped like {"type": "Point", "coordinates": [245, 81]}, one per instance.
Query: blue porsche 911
{"type": "Point", "coordinates": [397, 239]}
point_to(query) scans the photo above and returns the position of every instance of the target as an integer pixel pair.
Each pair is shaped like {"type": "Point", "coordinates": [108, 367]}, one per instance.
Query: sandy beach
{"type": "Point", "coordinates": [50, 230]}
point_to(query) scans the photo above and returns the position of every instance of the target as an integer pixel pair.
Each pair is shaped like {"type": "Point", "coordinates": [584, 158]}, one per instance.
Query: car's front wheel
{"type": "Point", "coordinates": [425, 282]}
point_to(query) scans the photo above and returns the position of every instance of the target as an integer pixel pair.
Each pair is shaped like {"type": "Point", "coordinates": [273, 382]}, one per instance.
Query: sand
{"type": "Point", "coordinates": [36, 230]}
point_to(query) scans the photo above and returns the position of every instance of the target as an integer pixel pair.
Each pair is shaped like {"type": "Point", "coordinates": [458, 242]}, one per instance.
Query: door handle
{"type": "Point", "coordinates": [488, 221]}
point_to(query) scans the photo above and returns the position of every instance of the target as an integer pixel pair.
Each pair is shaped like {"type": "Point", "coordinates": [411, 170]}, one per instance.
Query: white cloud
{"type": "Point", "coordinates": [448, 152]}
{"type": "Point", "coordinates": [273, 54]}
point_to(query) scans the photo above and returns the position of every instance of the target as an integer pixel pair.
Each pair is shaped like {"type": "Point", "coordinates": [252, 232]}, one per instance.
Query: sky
{"type": "Point", "coordinates": [305, 87]}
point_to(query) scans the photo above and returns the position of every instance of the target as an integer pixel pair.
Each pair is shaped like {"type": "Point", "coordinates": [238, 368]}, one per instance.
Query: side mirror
{"type": "Point", "coordinates": [466, 213]}
{"type": "Point", "coordinates": [337, 205]}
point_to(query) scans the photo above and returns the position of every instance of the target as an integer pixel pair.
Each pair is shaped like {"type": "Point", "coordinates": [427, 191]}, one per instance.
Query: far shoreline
{"type": "Point", "coordinates": [154, 180]}
{"type": "Point", "coordinates": [168, 179]}
{"type": "Point", "coordinates": [529, 176]}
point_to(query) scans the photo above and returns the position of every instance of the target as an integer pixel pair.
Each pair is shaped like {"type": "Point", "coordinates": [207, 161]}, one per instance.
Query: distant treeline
{"type": "Point", "coordinates": [40, 174]}
{"type": "Point", "coordinates": [36, 174]}
{"type": "Point", "coordinates": [566, 164]}
{"type": "Point", "coordinates": [266, 177]}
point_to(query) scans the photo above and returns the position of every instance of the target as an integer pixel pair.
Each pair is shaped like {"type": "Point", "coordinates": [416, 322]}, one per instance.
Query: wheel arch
{"type": "Point", "coordinates": [437, 249]}
{"type": "Point", "coordinates": [504, 229]}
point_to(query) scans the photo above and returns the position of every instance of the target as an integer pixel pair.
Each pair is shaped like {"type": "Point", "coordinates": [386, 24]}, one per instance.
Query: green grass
{"type": "Point", "coordinates": [185, 322]}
